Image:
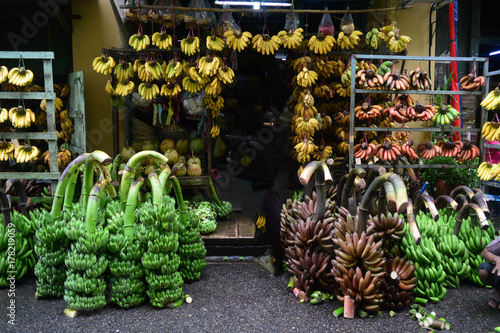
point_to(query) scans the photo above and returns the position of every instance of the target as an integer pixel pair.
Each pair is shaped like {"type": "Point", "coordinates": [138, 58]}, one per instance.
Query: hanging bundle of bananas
{"type": "Point", "coordinates": [321, 43]}
{"type": "Point", "coordinates": [103, 64]}
{"type": "Point", "coordinates": [191, 85]}
{"type": "Point", "coordinates": [21, 117]}
{"type": "Point", "coordinates": [6, 150]}
{"type": "Point", "coordinates": [265, 43]}
{"type": "Point", "coordinates": [367, 111]}
{"type": "Point", "coordinates": [214, 104]}
{"type": "Point", "coordinates": [209, 65]}
{"type": "Point", "coordinates": [324, 67]}
{"type": "Point", "coordinates": [225, 74]}
{"type": "Point", "coordinates": [305, 149]}
{"type": "Point", "coordinates": [170, 89]}
{"type": "Point", "coordinates": [396, 80]}
{"type": "Point", "coordinates": [63, 157]}
{"type": "Point", "coordinates": [222, 208]}
{"type": "Point", "coordinates": [148, 91]}
{"type": "Point", "coordinates": [491, 130]}
{"type": "Point", "coordinates": [215, 43]}
{"type": "Point", "coordinates": [20, 76]}
{"type": "Point", "coordinates": [305, 125]}
{"type": "Point", "coordinates": [470, 82]}
{"type": "Point", "coordinates": [306, 78]}
{"type": "Point", "coordinates": [445, 115]}
{"type": "Point", "coordinates": [323, 152]}
{"type": "Point", "coordinates": [143, 74]}
{"type": "Point", "coordinates": [162, 40]}
{"type": "Point", "coordinates": [396, 42]}
{"type": "Point", "coordinates": [26, 153]}
{"type": "Point", "coordinates": [307, 242]}
{"type": "Point", "coordinates": [373, 38]}
{"type": "Point", "coordinates": [492, 100]}
{"type": "Point", "coordinates": [207, 217]}
{"type": "Point", "coordinates": [237, 40]}
{"type": "Point", "coordinates": [154, 69]}
{"type": "Point", "coordinates": [364, 150]}
{"type": "Point", "coordinates": [369, 79]}
{"type": "Point", "coordinates": [300, 63]}
{"type": "Point", "coordinates": [214, 88]}
{"type": "Point", "coordinates": [139, 41]}
{"type": "Point", "coordinates": [172, 70]}
{"type": "Point", "coordinates": [348, 37]}
{"type": "Point", "coordinates": [67, 125]}
{"type": "Point", "coordinates": [214, 131]}
{"type": "Point", "coordinates": [342, 89]}
{"type": "Point", "coordinates": [124, 88]}
{"type": "Point", "coordinates": [190, 45]}
{"type": "Point", "coordinates": [58, 104]}
{"type": "Point", "coordinates": [124, 70]}
{"type": "Point", "coordinates": [291, 39]}
{"type": "Point", "coordinates": [4, 74]}
{"type": "Point", "coordinates": [420, 80]}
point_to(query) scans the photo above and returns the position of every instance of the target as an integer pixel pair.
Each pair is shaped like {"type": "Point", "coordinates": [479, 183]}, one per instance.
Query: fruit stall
{"type": "Point", "coordinates": [319, 154]}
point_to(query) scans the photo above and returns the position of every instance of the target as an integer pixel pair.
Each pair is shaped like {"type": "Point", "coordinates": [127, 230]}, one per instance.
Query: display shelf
{"type": "Point", "coordinates": [354, 91]}
{"type": "Point", "coordinates": [491, 145]}
{"type": "Point", "coordinates": [188, 182]}
{"type": "Point", "coordinates": [490, 183]}
{"type": "Point", "coordinates": [51, 134]}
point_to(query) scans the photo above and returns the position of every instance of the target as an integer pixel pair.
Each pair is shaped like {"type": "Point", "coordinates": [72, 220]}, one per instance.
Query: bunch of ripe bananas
{"type": "Point", "coordinates": [348, 37]}
{"type": "Point", "coordinates": [343, 148]}
{"type": "Point", "coordinates": [420, 80]}
{"type": "Point", "coordinates": [408, 150]}
{"type": "Point", "coordinates": [364, 150]}
{"type": "Point", "coordinates": [373, 38]}
{"type": "Point", "coordinates": [420, 112]}
{"type": "Point", "coordinates": [469, 151]}
{"type": "Point", "coordinates": [306, 78]}
{"type": "Point", "coordinates": [369, 79]}
{"type": "Point", "coordinates": [214, 88]}
{"type": "Point", "coordinates": [214, 131]}
{"type": "Point", "coordinates": [21, 117]}
{"type": "Point", "coordinates": [103, 65]}
{"type": "Point", "coordinates": [305, 125]}
{"type": "Point", "coordinates": [300, 63]}
{"type": "Point", "coordinates": [4, 115]}
{"type": "Point", "coordinates": [491, 130]}
{"type": "Point", "coordinates": [172, 70]}
{"type": "Point", "coordinates": [6, 150]}
{"type": "Point", "coordinates": [321, 43]}
{"type": "Point", "coordinates": [323, 152]}
{"type": "Point", "coordinates": [162, 40]}
{"type": "Point", "coordinates": [124, 88]}
{"type": "Point", "coordinates": [209, 65]}
{"type": "Point", "coordinates": [324, 67]}
{"type": "Point", "coordinates": [450, 149]}
{"type": "Point", "coordinates": [265, 43]}
{"type": "Point", "coordinates": [291, 39]}
{"type": "Point", "coordinates": [492, 100]}
{"type": "Point", "coordinates": [58, 104]}
{"type": "Point", "coordinates": [190, 45]}
{"type": "Point", "coordinates": [139, 41]}
{"type": "Point", "coordinates": [124, 70]}
{"type": "Point", "coordinates": [388, 151]}
{"type": "Point", "coordinates": [427, 150]}
{"type": "Point", "coordinates": [215, 43]}
{"type": "Point", "coordinates": [396, 42]}
{"type": "Point", "coordinates": [63, 157]}
{"type": "Point", "coordinates": [148, 91]}
{"type": "Point", "coordinates": [170, 89]}
{"type": "Point", "coordinates": [20, 76]}
{"type": "Point", "coordinates": [225, 74]}
{"type": "Point", "coordinates": [191, 85]}
{"type": "Point", "coordinates": [4, 74]}
{"type": "Point", "coordinates": [237, 40]}
{"type": "Point", "coordinates": [488, 171]}
{"type": "Point", "coordinates": [367, 111]}
{"type": "Point", "coordinates": [25, 153]}
{"type": "Point", "coordinates": [261, 222]}
{"type": "Point", "coordinates": [304, 150]}
{"type": "Point", "coordinates": [472, 83]}
{"type": "Point", "coordinates": [396, 80]}
{"type": "Point", "coordinates": [154, 69]}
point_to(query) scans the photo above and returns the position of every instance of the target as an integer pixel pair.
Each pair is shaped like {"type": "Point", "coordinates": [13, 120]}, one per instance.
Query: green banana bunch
{"type": "Point", "coordinates": [445, 115]}
{"type": "Point", "coordinates": [195, 250]}
{"type": "Point", "coordinates": [84, 303]}
{"type": "Point", "coordinates": [164, 243]}
{"type": "Point", "coordinates": [162, 297]}
{"type": "Point", "coordinates": [116, 243]}
{"type": "Point", "coordinates": [169, 281]}
{"type": "Point", "coordinates": [80, 261]}
{"type": "Point", "coordinates": [372, 39]}
{"type": "Point", "coordinates": [152, 260]}
{"type": "Point", "coordinates": [75, 228]}
{"type": "Point", "coordinates": [385, 67]}
{"type": "Point", "coordinates": [79, 282]}
{"type": "Point", "coordinates": [127, 292]}
{"type": "Point", "coordinates": [131, 268]}
{"type": "Point", "coordinates": [207, 217]}
{"type": "Point", "coordinates": [455, 259]}
{"type": "Point", "coordinates": [223, 210]}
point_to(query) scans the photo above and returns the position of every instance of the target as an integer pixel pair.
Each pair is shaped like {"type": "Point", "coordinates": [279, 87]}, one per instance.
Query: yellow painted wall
{"type": "Point", "coordinates": [96, 29]}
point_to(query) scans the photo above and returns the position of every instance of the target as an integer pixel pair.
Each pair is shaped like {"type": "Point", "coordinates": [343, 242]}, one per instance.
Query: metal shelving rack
{"type": "Point", "coordinates": [484, 119]}
{"type": "Point", "coordinates": [354, 91]}
{"type": "Point", "coordinates": [51, 135]}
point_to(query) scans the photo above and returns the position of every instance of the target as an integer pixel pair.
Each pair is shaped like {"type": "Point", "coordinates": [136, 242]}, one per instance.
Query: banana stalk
{"type": "Point", "coordinates": [346, 191]}
{"type": "Point", "coordinates": [164, 175]}
{"type": "Point", "coordinates": [323, 177]}
{"type": "Point", "coordinates": [390, 197]}
{"type": "Point", "coordinates": [447, 200]}
{"type": "Point", "coordinates": [129, 218]}
{"type": "Point", "coordinates": [463, 213]}
{"type": "Point", "coordinates": [374, 173]}
{"type": "Point", "coordinates": [132, 163]}
{"type": "Point", "coordinates": [481, 201]}
{"type": "Point", "coordinates": [425, 198]}
{"type": "Point", "coordinates": [4, 204]}
{"type": "Point", "coordinates": [156, 189]}
{"type": "Point", "coordinates": [63, 181]}
{"type": "Point", "coordinates": [70, 192]}
{"type": "Point", "coordinates": [95, 193]}
{"type": "Point", "coordinates": [106, 175]}
{"type": "Point", "coordinates": [87, 182]}
{"type": "Point", "coordinates": [21, 191]}
{"type": "Point", "coordinates": [412, 223]}
{"type": "Point", "coordinates": [180, 201]}
{"type": "Point", "coordinates": [116, 165]}
{"type": "Point", "coordinates": [470, 193]}
{"type": "Point", "coordinates": [342, 181]}
{"type": "Point", "coordinates": [410, 171]}
{"type": "Point", "coordinates": [461, 200]}
{"type": "Point", "coordinates": [213, 192]}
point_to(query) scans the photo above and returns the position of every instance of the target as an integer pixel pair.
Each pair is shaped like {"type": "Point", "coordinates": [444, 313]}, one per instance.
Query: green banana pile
{"type": "Point", "coordinates": [16, 246]}
{"type": "Point", "coordinates": [222, 209]}
{"type": "Point", "coordinates": [51, 247]}
{"type": "Point", "coordinates": [385, 67]}
{"type": "Point", "coordinates": [192, 250]}
{"type": "Point", "coordinates": [207, 217]}
{"type": "Point", "coordinates": [158, 230]}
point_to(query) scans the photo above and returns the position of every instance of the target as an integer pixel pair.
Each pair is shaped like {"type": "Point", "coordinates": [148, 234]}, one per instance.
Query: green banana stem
{"type": "Point", "coordinates": [410, 171]}
{"type": "Point", "coordinates": [481, 201]}
{"type": "Point", "coordinates": [102, 157]}
{"type": "Point", "coordinates": [132, 163]}
{"type": "Point", "coordinates": [346, 191]}
{"type": "Point", "coordinates": [116, 165]}
{"type": "Point", "coordinates": [180, 201]}
{"type": "Point", "coordinates": [93, 204]}
{"type": "Point", "coordinates": [320, 185]}
{"type": "Point", "coordinates": [369, 193]}
{"type": "Point", "coordinates": [412, 223]}
{"type": "Point", "coordinates": [390, 197]}
{"type": "Point", "coordinates": [212, 190]}
{"type": "Point", "coordinates": [70, 192]}
{"type": "Point", "coordinates": [87, 181]}
{"type": "Point", "coordinates": [156, 189]}
{"type": "Point", "coordinates": [63, 181]}
{"type": "Point", "coordinates": [21, 191]}
{"type": "Point", "coordinates": [309, 171]}
{"type": "Point", "coordinates": [4, 203]}
{"type": "Point", "coordinates": [462, 188]}
{"type": "Point", "coordinates": [129, 217]}
{"type": "Point", "coordinates": [374, 173]}
{"type": "Point", "coordinates": [446, 199]}
{"type": "Point", "coordinates": [164, 174]}
{"type": "Point", "coordinates": [106, 175]}
{"type": "Point", "coordinates": [424, 198]}
{"type": "Point", "coordinates": [464, 212]}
